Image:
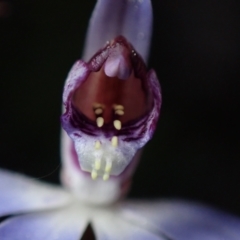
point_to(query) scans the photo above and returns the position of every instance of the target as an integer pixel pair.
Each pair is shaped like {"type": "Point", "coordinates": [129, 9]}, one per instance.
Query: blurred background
{"type": "Point", "coordinates": [195, 50]}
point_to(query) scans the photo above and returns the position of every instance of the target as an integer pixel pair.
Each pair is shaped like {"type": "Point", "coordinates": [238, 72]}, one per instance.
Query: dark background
{"type": "Point", "coordinates": [195, 50]}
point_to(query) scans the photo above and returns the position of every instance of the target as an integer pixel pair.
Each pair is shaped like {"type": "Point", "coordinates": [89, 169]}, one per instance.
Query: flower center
{"type": "Point", "coordinates": [108, 115]}
{"type": "Point", "coordinates": [101, 96]}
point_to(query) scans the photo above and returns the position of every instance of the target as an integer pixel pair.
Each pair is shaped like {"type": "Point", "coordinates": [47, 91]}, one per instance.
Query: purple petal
{"type": "Point", "coordinates": [19, 193]}
{"type": "Point", "coordinates": [111, 18]}
{"type": "Point", "coordinates": [63, 224]}
{"type": "Point", "coordinates": [182, 220]}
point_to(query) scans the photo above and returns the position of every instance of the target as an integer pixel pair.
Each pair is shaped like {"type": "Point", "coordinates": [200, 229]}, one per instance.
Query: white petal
{"type": "Point", "coordinates": [19, 193]}
{"type": "Point", "coordinates": [110, 225]}
{"type": "Point", "coordinates": [64, 224]}
{"type": "Point", "coordinates": [111, 18]}
{"type": "Point", "coordinates": [184, 221]}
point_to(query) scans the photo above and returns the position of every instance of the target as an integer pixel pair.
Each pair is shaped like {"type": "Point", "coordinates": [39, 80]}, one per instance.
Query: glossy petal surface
{"type": "Point", "coordinates": [129, 18]}
{"type": "Point", "coordinates": [19, 193]}
{"type": "Point", "coordinates": [183, 221]}
{"type": "Point", "coordinates": [62, 224]}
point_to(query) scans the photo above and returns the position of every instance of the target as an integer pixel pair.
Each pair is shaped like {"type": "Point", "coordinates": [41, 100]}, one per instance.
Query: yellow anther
{"type": "Point", "coordinates": [117, 124]}
{"type": "Point", "coordinates": [105, 176]}
{"type": "Point", "coordinates": [114, 141]}
{"type": "Point", "coordinates": [119, 112]}
{"type": "Point", "coordinates": [108, 167]}
{"type": "Point", "coordinates": [97, 164]}
{"type": "Point", "coordinates": [94, 174]}
{"type": "Point", "coordinates": [97, 145]}
{"type": "Point", "coordinates": [100, 121]}
{"type": "Point", "coordinates": [98, 111]}
{"type": "Point", "coordinates": [98, 105]}
{"type": "Point", "coordinates": [118, 107]}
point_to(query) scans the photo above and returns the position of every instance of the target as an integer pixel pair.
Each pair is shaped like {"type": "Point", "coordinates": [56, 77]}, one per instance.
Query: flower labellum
{"type": "Point", "coordinates": [112, 106]}
{"type": "Point", "coordinates": [111, 101]}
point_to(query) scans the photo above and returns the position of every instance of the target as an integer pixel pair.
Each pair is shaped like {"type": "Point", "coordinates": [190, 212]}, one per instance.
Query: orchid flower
{"type": "Point", "coordinates": [111, 106]}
